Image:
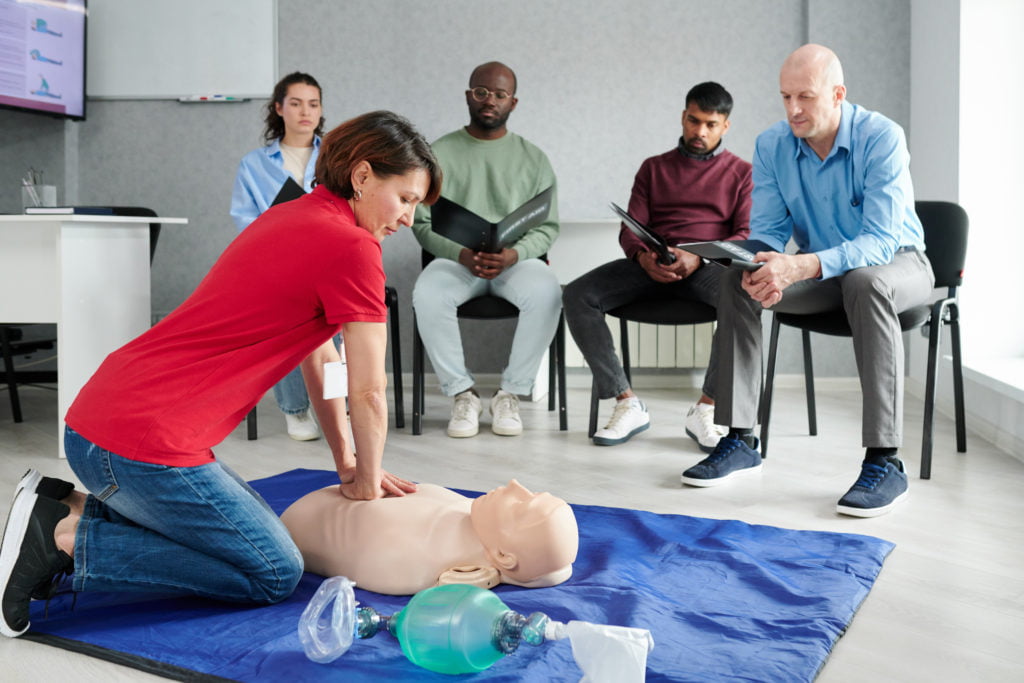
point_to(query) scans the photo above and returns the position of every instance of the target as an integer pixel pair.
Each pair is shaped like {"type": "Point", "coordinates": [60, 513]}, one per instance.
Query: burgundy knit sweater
{"type": "Point", "coordinates": [686, 199]}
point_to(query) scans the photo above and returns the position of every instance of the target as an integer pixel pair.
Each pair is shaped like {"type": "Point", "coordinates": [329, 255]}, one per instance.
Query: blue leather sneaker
{"type": "Point", "coordinates": [731, 458]}
{"type": "Point", "coordinates": [876, 492]}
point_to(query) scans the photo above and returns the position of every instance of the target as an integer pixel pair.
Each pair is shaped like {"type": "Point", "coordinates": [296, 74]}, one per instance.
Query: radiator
{"type": "Point", "coordinates": [655, 346]}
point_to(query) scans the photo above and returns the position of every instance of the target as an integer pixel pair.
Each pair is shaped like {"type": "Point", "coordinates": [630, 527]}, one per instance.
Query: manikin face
{"type": "Point", "coordinates": [300, 110]}
{"type": "Point", "coordinates": [386, 204]}
{"type": "Point", "coordinates": [702, 130]}
{"type": "Point", "coordinates": [531, 538]}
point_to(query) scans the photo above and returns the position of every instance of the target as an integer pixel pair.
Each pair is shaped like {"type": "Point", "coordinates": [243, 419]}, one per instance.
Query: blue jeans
{"type": "Point", "coordinates": [187, 530]}
{"type": "Point", "coordinates": [290, 393]}
{"type": "Point", "coordinates": [444, 285]}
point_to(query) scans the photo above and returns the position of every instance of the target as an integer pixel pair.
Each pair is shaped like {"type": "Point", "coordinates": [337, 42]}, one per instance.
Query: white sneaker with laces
{"type": "Point", "coordinates": [505, 409]}
{"type": "Point", "coordinates": [302, 426]}
{"type": "Point", "coordinates": [466, 411]}
{"type": "Point", "coordinates": [629, 418]}
{"type": "Point", "coordinates": [701, 427]}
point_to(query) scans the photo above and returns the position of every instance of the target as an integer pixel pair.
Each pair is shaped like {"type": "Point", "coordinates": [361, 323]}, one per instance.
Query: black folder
{"type": "Point", "coordinates": [729, 253]}
{"type": "Point", "coordinates": [289, 191]}
{"type": "Point", "coordinates": [653, 240]}
{"type": "Point", "coordinates": [461, 225]}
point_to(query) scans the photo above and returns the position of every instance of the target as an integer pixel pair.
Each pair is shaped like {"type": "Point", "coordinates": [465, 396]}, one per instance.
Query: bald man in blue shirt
{"type": "Point", "coordinates": [835, 178]}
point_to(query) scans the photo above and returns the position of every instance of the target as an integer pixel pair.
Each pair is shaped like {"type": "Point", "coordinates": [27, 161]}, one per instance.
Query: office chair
{"type": "Point", "coordinates": [391, 299]}
{"type": "Point", "coordinates": [489, 307]}
{"type": "Point", "coordinates": [14, 344]}
{"type": "Point", "coordinates": [945, 236]}
{"type": "Point", "coordinates": [659, 311]}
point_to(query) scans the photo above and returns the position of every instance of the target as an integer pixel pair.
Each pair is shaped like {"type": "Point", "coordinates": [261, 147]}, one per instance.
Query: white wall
{"type": "Point", "coordinates": [966, 59]}
{"type": "Point", "coordinates": [991, 179]}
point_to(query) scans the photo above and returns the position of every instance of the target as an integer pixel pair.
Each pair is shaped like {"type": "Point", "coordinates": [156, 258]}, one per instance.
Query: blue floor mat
{"type": "Point", "coordinates": [724, 600]}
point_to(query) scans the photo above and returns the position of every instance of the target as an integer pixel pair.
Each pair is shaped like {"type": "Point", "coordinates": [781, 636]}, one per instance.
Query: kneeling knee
{"type": "Point", "coordinates": [280, 582]}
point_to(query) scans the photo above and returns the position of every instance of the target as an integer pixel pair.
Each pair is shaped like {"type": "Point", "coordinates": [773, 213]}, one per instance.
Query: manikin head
{"type": "Point", "coordinates": [530, 538]}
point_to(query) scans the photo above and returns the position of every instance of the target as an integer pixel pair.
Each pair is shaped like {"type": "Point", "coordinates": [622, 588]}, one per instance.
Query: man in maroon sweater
{"type": "Point", "coordinates": [696, 192]}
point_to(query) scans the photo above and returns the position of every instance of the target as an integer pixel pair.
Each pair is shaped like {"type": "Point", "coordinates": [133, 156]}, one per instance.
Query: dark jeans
{"type": "Point", "coordinates": [587, 298]}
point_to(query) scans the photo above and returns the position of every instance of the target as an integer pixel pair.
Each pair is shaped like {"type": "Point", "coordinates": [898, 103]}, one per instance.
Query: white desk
{"type": "Point", "coordinates": [87, 274]}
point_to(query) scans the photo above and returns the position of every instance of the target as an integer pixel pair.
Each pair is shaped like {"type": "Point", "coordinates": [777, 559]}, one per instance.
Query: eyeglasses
{"type": "Point", "coordinates": [480, 94]}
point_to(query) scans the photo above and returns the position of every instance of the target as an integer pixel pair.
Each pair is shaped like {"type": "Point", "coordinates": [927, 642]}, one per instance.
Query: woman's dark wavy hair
{"type": "Point", "coordinates": [385, 140]}
{"type": "Point", "coordinates": [273, 123]}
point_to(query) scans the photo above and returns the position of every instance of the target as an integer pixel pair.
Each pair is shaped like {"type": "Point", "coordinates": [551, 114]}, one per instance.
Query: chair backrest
{"type": "Point", "coordinates": [154, 228]}
{"type": "Point", "coordinates": [945, 238]}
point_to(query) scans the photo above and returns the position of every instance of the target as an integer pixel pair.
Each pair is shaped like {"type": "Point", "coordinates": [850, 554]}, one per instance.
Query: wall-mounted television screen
{"type": "Point", "coordinates": [42, 56]}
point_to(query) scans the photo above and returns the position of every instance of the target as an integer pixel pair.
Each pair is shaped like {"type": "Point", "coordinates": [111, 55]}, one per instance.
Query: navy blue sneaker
{"type": "Point", "coordinates": [877, 491]}
{"type": "Point", "coordinates": [731, 458]}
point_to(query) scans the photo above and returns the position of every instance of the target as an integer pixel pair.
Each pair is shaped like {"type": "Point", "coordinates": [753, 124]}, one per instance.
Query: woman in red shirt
{"type": "Point", "coordinates": [165, 515]}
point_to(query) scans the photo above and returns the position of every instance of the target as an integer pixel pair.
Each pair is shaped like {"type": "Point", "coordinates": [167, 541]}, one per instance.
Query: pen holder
{"type": "Point", "coordinates": [38, 195]}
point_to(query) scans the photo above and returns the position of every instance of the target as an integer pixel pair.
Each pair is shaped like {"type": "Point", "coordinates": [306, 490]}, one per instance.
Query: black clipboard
{"type": "Point", "coordinates": [651, 239]}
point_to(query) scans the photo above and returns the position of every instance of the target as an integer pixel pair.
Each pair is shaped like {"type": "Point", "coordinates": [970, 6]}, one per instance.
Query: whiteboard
{"type": "Point", "coordinates": [164, 49]}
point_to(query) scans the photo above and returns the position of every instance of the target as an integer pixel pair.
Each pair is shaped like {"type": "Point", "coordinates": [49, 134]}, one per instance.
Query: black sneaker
{"type": "Point", "coordinates": [731, 458]}
{"type": "Point", "coordinates": [47, 487]}
{"type": "Point", "coordinates": [29, 558]}
{"type": "Point", "coordinates": [877, 491]}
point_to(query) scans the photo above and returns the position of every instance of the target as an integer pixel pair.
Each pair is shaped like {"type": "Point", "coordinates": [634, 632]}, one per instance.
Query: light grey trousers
{"type": "Point", "coordinates": [872, 298]}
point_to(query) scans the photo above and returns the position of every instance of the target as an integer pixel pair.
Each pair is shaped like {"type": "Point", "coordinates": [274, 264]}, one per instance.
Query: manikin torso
{"type": "Point", "coordinates": [397, 545]}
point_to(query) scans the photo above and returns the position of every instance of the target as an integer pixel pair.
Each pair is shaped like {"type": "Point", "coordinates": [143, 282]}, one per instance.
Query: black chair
{"type": "Point", "coordinates": [490, 307]}
{"type": "Point", "coordinates": [945, 235]}
{"type": "Point", "coordinates": [659, 311]}
{"type": "Point", "coordinates": [391, 299]}
{"type": "Point", "coordinates": [14, 343]}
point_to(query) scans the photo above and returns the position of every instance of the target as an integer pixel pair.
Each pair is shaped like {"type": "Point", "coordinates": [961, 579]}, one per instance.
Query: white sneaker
{"type": "Point", "coordinates": [505, 409]}
{"type": "Point", "coordinates": [466, 411]}
{"type": "Point", "coordinates": [701, 427]}
{"type": "Point", "coordinates": [302, 426]}
{"type": "Point", "coordinates": [630, 417]}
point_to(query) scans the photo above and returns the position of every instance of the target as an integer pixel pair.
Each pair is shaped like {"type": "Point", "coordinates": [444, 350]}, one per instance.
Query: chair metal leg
{"type": "Point", "coordinates": [594, 405]}
{"type": "Point", "coordinates": [769, 386]}
{"type": "Point", "coordinates": [958, 379]}
{"type": "Point", "coordinates": [396, 356]}
{"type": "Point", "coordinates": [624, 344]}
{"type": "Point", "coordinates": [934, 336]}
{"type": "Point", "coordinates": [563, 412]}
{"type": "Point", "coordinates": [250, 425]}
{"type": "Point", "coordinates": [417, 379]}
{"type": "Point", "coordinates": [11, 377]}
{"type": "Point", "coordinates": [552, 371]}
{"type": "Point", "coordinates": [812, 411]}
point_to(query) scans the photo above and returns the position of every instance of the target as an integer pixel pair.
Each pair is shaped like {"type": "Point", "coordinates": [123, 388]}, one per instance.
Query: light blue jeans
{"type": "Point", "coordinates": [186, 530]}
{"type": "Point", "coordinates": [291, 394]}
{"type": "Point", "coordinates": [444, 285]}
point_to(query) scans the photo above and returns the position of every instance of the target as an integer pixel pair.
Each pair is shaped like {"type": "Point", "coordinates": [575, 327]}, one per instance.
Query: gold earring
{"type": "Point", "coordinates": [358, 194]}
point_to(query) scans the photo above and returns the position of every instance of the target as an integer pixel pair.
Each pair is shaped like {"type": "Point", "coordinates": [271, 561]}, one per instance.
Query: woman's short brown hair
{"type": "Point", "coordinates": [385, 140]}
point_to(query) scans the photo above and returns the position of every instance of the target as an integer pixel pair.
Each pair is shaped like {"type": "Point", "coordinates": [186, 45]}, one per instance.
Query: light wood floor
{"type": "Point", "coordinates": [948, 606]}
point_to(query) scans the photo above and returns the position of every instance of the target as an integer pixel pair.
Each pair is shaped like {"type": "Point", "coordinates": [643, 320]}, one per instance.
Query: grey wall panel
{"type": "Point", "coordinates": [29, 140]}
{"type": "Point", "coordinates": [601, 88]}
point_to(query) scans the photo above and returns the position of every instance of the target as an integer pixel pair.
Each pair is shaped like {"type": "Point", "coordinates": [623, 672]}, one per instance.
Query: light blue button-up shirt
{"type": "Point", "coordinates": [260, 177]}
{"type": "Point", "coordinates": [853, 209]}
